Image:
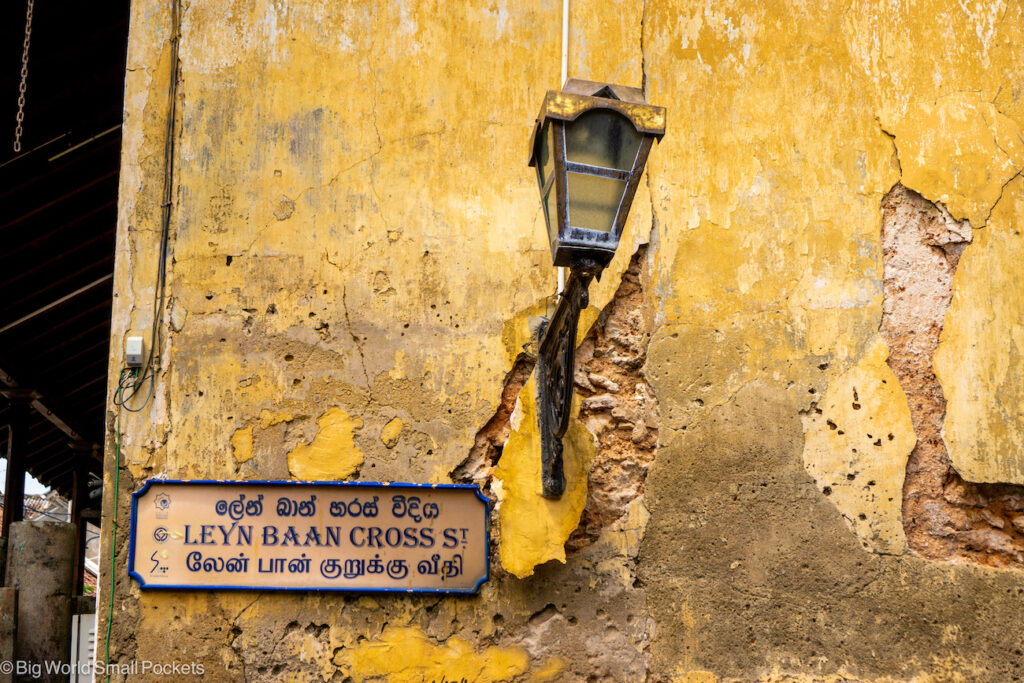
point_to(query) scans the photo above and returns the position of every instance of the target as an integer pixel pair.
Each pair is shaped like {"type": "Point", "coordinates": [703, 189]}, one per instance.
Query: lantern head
{"type": "Point", "coordinates": [589, 146]}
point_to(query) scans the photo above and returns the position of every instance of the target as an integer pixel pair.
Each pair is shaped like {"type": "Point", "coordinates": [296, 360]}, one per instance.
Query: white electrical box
{"type": "Point", "coordinates": [133, 352]}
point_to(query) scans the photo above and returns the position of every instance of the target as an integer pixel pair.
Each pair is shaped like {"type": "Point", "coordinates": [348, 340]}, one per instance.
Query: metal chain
{"type": "Point", "coordinates": [24, 75]}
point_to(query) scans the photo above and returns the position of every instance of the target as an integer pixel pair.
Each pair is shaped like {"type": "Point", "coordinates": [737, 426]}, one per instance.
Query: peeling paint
{"type": "Point", "coordinates": [332, 453]}
{"type": "Point", "coordinates": [978, 361]}
{"type": "Point", "coordinates": [959, 150]}
{"type": "Point", "coordinates": [858, 438]}
{"type": "Point", "coordinates": [356, 240]}
{"type": "Point", "coordinates": [534, 529]}
{"type": "Point", "coordinates": [617, 405]}
{"type": "Point", "coordinates": [241, 445]}
{"type": "Point", "coordinates": [391, 432]}
{"type": "Point", "coordinates": [270, 418]}
{"type": "Point", "coordinates": [407, 654]}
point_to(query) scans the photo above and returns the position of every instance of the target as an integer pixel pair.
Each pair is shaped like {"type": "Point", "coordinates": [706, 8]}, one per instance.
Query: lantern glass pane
{"type": "Point", "coordinates": [602, 138]}
{"type": "Point", "coordinates": [549, 144]}
{"type": "Point", "coordinates": [545, 162]}
{"type": "Point", "coordinates": [551, 213]}
{"type": "Point", "coordinates": [594, 201]}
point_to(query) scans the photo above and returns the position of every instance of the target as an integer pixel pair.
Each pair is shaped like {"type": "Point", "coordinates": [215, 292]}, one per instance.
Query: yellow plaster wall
{"type": "Point", "coordinates": [979, 357]}
{"type": "Point", "coordinates": [534, 529]}
{"type": "Point", "coordinates": [816, 113]}
{"type": "Point", "coordinates": [356, 240]}
{"type": "Point", "coordinates": [959, 150]}
{"type": "Point", "coordinates": [858, 439]}
{"type": "Point", "coordinates": [407, 655]}
{"type": "Point", "coordinates": [332, 454]}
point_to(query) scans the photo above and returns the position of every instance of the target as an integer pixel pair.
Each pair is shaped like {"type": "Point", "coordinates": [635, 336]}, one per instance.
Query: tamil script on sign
{"type": "Point", "coordinates": [354, 536]}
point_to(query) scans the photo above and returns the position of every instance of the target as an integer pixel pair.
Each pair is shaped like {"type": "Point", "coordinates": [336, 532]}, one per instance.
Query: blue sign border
{"type": "Point", "coordinates": [346, 484]}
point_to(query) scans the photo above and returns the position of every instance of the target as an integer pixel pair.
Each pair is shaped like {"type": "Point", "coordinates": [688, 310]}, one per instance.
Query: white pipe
{"type": "Point", "coordinates": [565, 41]}
{"type": "Point", "coordinates": [565, 77]}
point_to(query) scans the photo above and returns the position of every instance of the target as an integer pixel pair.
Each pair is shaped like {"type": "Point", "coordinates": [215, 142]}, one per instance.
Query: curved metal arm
{"type": "Point", "coordinates": [556, 358]}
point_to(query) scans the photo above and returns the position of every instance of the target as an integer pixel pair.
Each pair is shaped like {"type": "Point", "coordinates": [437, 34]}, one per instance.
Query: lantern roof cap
{"type": "Point", "coordinates": [578, 97]}
{"type": "Point", "coordinates": [577, 86]}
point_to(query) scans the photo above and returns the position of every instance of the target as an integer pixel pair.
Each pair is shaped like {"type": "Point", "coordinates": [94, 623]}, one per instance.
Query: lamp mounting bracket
{"type": "Point", "coordinates": [556, 360]}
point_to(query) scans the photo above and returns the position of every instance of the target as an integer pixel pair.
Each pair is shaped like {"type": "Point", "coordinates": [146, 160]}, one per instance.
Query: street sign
{"type": "Point", "coordinates": [320, 536]}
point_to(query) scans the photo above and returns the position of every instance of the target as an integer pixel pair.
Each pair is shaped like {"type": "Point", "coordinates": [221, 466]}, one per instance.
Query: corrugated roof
{"type": "Point", "coordinates": [58, 216]}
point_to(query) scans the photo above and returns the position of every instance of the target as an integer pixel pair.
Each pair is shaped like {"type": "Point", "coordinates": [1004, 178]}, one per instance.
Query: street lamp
{"type": "Point", "coordinates": [589, 146]}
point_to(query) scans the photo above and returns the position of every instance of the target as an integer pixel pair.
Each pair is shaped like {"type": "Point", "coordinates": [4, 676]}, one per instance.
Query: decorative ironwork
{"type": "Point", "coordinates": [556, 360]}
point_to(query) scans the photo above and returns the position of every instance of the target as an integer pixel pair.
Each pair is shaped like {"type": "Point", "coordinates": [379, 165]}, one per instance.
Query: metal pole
{"type": "Point", "coordinates": [14, 491]}
{"type": "Point", "coordinates": [79, 498]}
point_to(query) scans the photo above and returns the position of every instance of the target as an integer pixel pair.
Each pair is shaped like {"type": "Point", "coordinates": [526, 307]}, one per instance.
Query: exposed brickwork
{"type": "Point", "coordinates": [945, 517]}
{"type": "Point", "coordinates": [491, 438]}
{"type": "Point", "coordinates": [618, 405]}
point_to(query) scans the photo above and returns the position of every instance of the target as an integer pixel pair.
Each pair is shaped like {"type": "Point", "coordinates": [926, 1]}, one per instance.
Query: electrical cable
{"type": "Point", "coordinates": [113, 531]}
{"type": "Point", "coordinates": [131, 380]}
{"type": "Point", "coordinates": [159, 291]}
{"type": "Point", "coordinates": [43, 513]}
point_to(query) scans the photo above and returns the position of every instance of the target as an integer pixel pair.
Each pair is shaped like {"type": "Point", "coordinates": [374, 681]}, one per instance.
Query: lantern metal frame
{"type": "Point", "coordinates": [585, 251]}
{"type": "Point", "coordinates": [578, 97]}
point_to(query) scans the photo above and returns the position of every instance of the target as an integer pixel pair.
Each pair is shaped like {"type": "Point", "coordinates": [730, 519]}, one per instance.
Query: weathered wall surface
{"type": "Point", "coordinates": [356, 252]}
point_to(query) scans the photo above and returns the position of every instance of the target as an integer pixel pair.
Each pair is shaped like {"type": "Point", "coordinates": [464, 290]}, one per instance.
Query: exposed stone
{"type": "Point", "coordinates": [603, 382]}
{"type": "Point", "coordinates": [962, 493]}
{"type": "Point", "coordinates": [626, 362]}
{"type": "Point", "coordinates": [612, 354]}
{"type": "Point", "coordinates": [601, 402]}
{"type": "Point", "coordinates": [991, 518]}
{"type": "Point", "coordinates": [581, 380]}
{"type": "Point", "coordinates": [990, 541]}
{"type": "Point", "coordinates": [922, 244]}
{"type": "Point", "coordinates": [939, 522]}
{"type": "Point", "coordinates": [491, 439]}
{"type": "Point", "coordinates": [628, 331]}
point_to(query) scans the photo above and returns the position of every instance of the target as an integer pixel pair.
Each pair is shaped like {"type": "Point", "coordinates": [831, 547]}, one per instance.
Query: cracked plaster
{"type": "Point", "coordinates": [762, 207]}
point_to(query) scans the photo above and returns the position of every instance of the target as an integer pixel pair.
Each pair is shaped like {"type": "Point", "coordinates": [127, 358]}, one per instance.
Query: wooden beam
{"type": "Point", "coordinates": [45, 405]}
{"type": "Point", "coordinates": [79, 499]}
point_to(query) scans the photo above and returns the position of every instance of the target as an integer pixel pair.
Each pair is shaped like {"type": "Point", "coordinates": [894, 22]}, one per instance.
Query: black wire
{"type": "Point", "coordinates": [130, 379]}
{"type": "Point", "coordinates": [156, 335]}
{"type": "Point", "coordinates": [130, 382]}
{"type": "Point", "coordinates": [62, 518]}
